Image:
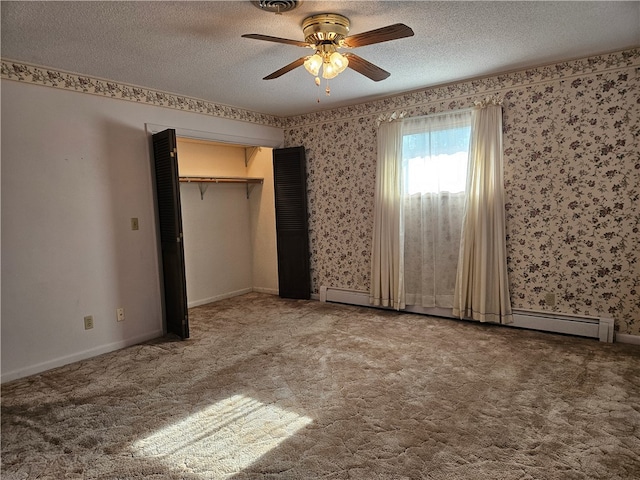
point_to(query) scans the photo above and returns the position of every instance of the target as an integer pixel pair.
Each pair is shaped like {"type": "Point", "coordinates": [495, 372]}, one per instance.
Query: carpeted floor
{"type": "Point", "coordinates": [272, 388]}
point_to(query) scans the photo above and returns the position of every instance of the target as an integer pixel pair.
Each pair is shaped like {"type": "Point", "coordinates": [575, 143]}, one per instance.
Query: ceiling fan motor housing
{"type": "Point", "coordinates": [325, 27]}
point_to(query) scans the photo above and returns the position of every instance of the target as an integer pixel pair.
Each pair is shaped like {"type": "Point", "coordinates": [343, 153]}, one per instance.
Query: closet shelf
{"type": "Point", "coordinates": [222, 179]}
{"type": "Point", "coordinates": [203, 182]}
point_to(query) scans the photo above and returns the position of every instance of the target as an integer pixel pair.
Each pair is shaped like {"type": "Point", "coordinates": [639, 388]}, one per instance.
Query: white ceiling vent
{"type": "Point", "coordinates": [276, 6]}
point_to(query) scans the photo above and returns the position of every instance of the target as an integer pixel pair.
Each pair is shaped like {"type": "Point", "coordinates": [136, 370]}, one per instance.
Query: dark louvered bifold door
{"type": "Point", "coordinates": [291, 222]}
{"type": "Point", "coordinates": [170, 219]}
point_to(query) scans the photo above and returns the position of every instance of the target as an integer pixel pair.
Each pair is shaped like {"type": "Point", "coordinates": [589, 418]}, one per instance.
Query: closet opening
{"type": "Point", "coordinates": [216, 229]}
{"type": "Point", "coordinates": [228, 219]}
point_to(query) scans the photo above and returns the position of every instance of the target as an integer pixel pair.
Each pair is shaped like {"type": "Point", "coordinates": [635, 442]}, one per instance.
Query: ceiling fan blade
{"type": "Point", "coordinates": [285, 69]}
{"type": "Point", "coordinates": [384, 34]}
{"type": "Point", "coordinates": [366, 68]}
{"type": "Point", "coordinates": [267, 38]}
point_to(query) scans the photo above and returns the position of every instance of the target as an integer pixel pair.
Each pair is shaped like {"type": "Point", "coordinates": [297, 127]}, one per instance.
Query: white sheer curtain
{"type": "Point", "coordinates": [387, 269]}
{"type": "Point", "coordinates": [433, 245]}
{"type": "Point", "coordinates": [435, 159]}
{"type": "Point", "coordinates": [482, 288]}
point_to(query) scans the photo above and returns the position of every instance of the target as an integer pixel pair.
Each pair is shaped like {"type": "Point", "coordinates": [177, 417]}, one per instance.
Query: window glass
{"type": "Point", "coordinates": [436, 161]}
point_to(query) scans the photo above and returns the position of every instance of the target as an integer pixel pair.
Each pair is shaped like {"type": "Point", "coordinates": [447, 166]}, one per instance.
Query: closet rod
{"type": "Point", "coordinates": [222, 179]}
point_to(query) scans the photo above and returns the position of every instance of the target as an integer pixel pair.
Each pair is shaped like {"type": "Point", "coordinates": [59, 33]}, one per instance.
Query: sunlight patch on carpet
{"type": "Point", "coordinates": [222, 439]}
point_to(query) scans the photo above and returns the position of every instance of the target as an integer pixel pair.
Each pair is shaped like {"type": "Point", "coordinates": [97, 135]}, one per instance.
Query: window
{"type": "Point", "coordinates": [435, 157]}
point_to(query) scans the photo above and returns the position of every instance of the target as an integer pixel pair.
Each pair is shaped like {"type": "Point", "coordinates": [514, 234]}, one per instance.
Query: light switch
{"type": "Point", "coordinates": [134, 224]}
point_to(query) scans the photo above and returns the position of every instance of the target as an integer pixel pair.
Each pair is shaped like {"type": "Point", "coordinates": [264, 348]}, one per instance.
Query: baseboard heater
{"type": "Point", "coordinates": [593, 327]}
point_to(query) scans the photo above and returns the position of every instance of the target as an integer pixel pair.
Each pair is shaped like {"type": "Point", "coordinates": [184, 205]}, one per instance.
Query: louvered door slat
{"type": "Point", "coordinates": [292, 230]}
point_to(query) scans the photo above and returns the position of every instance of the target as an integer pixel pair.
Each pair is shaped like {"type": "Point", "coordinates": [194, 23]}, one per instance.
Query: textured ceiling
{"type": "Point", "coordinates": [195, 48]}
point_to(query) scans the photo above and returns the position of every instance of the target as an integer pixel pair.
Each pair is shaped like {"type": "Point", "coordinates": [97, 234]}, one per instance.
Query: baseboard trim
{"type": "Point", "coordinates": [270, 291]}
{"type": "Point", "coordinates": [76, 357]}
{"type": "Point", "coordinates": [578, 325]}
{"type": "Point", "coordinates": [215, 298]}
{"type": "Point", "coordinates": [626, 338]}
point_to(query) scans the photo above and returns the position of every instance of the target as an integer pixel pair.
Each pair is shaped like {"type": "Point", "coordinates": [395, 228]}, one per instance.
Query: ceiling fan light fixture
{"type": "Point", "coordinates": [339, 62]}
{"type": "Point", "coordinates": [329, 71]}
{"type": "Point", "coordinates": [312, 64]}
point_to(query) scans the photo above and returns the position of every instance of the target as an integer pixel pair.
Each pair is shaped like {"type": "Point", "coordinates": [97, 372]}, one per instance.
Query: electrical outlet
{"type": "Point", "coordinates": [120, 314]}
{"type": "Point", "coordinates": [88, 322]}
{"type": "Point", "coordinates": [134, 224]}
{"type": "Point", "coordinates": [550, 299]}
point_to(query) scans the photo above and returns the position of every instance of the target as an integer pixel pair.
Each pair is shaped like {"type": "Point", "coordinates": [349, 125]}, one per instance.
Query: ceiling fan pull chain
{"type": "Point", "coordinates": [318, 85]}
{"type": "Point", "coordinates": [328, 90]}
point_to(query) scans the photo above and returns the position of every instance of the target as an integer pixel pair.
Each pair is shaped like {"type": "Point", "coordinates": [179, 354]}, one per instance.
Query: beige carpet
{"type": "Point", "coordinates": [272, 388]}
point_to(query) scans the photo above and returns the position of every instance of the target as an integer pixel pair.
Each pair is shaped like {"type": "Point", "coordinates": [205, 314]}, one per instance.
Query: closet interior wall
{"type": "Point", "coordinates": [229, 239]}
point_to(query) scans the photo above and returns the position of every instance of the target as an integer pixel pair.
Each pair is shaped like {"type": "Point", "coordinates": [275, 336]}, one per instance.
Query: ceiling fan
{"type": "Point", "coordinates": [326, 33]}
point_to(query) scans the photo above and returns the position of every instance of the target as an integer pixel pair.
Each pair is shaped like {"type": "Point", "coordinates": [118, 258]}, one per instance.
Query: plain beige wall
{"type": "Point", "coordinates": [263, 224]}
{"type": "Point", "coordinates": [203, 158]}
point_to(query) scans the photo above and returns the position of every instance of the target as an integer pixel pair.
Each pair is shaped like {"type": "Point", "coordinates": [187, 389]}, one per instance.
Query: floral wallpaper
{"type": "Point", "coordinates": [23, 72]}
{"type": "Point", "coordinates": [572, 176]}
{"type": "Point", "coordinates": [572, 180]}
